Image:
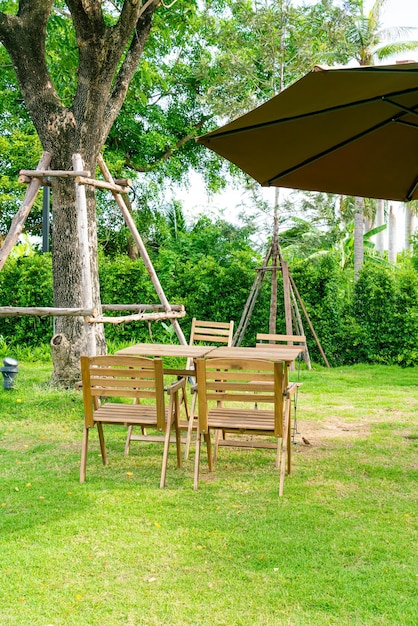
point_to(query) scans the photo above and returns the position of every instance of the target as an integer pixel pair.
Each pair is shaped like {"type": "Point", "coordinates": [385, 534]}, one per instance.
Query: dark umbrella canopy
{"type": "Point", "coordinates": [350, 131]}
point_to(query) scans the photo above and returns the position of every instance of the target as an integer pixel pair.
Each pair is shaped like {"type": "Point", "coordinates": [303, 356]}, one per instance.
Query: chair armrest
{"type": "Point", "coordinates": [174, 387]}
{"type": "Point", "coordinates": [291, 389]}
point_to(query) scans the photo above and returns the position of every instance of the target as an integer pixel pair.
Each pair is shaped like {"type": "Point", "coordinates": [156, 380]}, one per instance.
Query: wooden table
{"type": "Point", "coordinates": [168, 349]}
{"type": "Point", "coordinates": [269, 352]}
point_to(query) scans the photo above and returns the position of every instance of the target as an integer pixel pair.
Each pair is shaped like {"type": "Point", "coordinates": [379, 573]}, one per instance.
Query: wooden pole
{"type": "Point", "coordinates": [44, 311]}
{"type": "Point", "coordinates": [287, 301]}
{"type": "Point", "coordinates": [308, 320]}
{"type": "Point", "coordinates": [19, 219]}
{"type": "Point", "coordinates": [83, 242]}
{"type": "Point", "coordinates": [251, 300]}
{"type": "Point", "coordinates": [101, 184]}
{"type": "Point", "coordinates": [142, 250]}
{"type": "Point", "coordinates": [41, 172]}
{"type": "Point", "coordinates": [299, 325]}
{"type": "Point", "coordinates": [274, 257]}
{"type": "Point", "coordinates": [139, 317]}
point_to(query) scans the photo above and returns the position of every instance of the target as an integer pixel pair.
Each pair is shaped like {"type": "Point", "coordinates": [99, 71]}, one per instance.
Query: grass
{"type": "Point", "coordinates": [340, 548]}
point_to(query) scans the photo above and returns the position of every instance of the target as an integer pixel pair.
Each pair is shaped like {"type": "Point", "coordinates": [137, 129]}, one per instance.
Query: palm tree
{"type": "Point", "coordinates": [372, 43]}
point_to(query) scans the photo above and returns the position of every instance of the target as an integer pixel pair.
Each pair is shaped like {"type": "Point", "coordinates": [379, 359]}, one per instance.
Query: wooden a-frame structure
{"type": "Point", "coordinates": [143, 312]}
{"type": "Point", "coordinates": [274, 263]}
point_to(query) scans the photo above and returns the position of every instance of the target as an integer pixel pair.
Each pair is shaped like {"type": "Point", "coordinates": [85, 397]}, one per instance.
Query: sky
{"type": "Point", "coordinates": [231, 203]}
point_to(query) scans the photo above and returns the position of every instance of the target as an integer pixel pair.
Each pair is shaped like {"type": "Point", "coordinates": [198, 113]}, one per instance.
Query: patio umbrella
{"type": "Point", "coordinates": [351, 131]}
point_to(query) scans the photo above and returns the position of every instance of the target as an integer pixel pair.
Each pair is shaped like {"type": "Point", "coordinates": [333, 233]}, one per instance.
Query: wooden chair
{"type": "Point", "coordinates": [210, 333]}
{"type": "Point", "coordinates": [244, 381]}
{"type": "Point", "coordinates": [109, 378]}
{"type": "Point", "coordinates": [262, 338]}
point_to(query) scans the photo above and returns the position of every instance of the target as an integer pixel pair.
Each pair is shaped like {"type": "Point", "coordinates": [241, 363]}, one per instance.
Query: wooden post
{"type": "Point", "coordinates": [251, 300]}
{"type": "Point", "coordinates": [142, 250]}
{"type": "Point", "coordinates": [295, 289]}
{"type": "Point", "coordinates": [20, 217]}
{"type": "Point", "coordinates": [274, 258]}
{"type": "Point", "coordinates": [287, 301]}
{"type": "Point", "coordinates": [83, 242]}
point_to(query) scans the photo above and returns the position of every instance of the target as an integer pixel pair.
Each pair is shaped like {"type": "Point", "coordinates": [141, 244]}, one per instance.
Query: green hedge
{"type": "Point", "coordinates": [376, 322]}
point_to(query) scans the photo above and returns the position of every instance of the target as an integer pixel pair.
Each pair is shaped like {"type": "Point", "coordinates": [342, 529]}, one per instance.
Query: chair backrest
{"type": "Point", "coordinates": [272, 338]}
{"type": "Point", "coordinates": [211, 332]}
{"type": "Point", "coordinates": [240, 381]}
{"type": "Point", "coordinates": [122, 377]}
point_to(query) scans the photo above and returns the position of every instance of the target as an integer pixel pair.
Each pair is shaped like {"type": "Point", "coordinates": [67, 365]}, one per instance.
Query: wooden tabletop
{"type": "Point", "coordinates": [269, 352]}
{"type": "Point", "coordinates": [165, 349]}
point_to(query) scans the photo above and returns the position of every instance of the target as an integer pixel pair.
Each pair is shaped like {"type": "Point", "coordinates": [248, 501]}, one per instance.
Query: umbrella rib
{"type": "Point", "coordinates": [301, 116]}
{"type": "Point", "coordinates": [325, 153]}
{"type": "Point", "coordinates": [402, 108]}
{"type": "Point", "coordinates": [412, 190]}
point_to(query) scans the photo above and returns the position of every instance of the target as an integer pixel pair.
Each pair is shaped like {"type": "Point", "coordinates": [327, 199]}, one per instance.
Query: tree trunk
{"type": "Point", "coordinates": [409, 227]}
{"type": "Point", "coordinates": [67, 279]}
{"type": "Point", "coordinates": [392, 236]}
{"type": "Point", "coordinates": [108, 55]}
{"type": "Point", "coordinates": [274, 262]}
{"type": "Point", "coordinates": [380, 220]}
{"type": "Point", "coordinates": [358, 236]}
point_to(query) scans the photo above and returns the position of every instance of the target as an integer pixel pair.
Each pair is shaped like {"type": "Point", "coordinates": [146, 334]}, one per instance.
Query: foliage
{"type": "Point", "coordinates": [384, 315]}
{"type": "Point", "coordinates": [210, 267]}
{"type": "Point", "coordinates": [26, 281]}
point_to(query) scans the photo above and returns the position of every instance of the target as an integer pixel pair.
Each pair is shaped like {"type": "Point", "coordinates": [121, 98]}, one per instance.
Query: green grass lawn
{"type": "Point", "coordinates": [339, 548]}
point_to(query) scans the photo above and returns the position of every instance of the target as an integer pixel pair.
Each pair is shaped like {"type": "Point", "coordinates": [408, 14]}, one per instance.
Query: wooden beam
{"type": "Point", "coordinates": [41, 311]}
{"type": "Point", "coordinates": [142, 250]}
{"type": "Point", "coordinates": [139, 317]}
{"type": "Point", "coordinates": [41, 173]}
{"type": "Point", "coordinates": [84, 251]}
{"type": "Point", "coordinates": [28, 179]}
{"type": "Point", "coordinates": [19, 219]}
{"type": "Point", "coordinates": [139, 307]}
{"type": "Point", "coordinates": [101, 184]}
{"type": "Point", "coordinates": [308, 319]}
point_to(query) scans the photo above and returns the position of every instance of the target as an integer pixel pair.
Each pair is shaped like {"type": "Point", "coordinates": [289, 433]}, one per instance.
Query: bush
{"type": "Point", "coordinates": [27, 281]}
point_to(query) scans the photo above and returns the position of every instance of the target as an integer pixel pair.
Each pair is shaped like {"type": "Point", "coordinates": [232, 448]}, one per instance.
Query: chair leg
{"type": "Point", "coordinates": [209, 449]}
{"type": "Point", "coordinates": [190, 427]}
{"type": "Point", "coordinates": [279, 451]}
{"type": "Point", "coordinates": [128, 440]}
{"type": "Point", "coordinates": [102, 443]}
{"type": "Point", "coordinates": [285, 446]}
{"type": "Point", "coordinates": [177, 429]}
{"type": "Point", "coordinates": [165, 455]}
{"type": "Point", "coordinates": [197, 460]}
{"type": "Point", "coordinates": [216, 445]}
{"type": "Point", "coordinates": [83, 462]}
{"type": "Point", "coordinates": [184, 401]}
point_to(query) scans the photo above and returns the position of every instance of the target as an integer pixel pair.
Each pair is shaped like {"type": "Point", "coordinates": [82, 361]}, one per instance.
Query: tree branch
{"type": "Point", "coordinates": [129, 65]}
{"type": "Point", "coordinates": [24, 37]}
{"type": "Point", "coordinates": [164, 156]}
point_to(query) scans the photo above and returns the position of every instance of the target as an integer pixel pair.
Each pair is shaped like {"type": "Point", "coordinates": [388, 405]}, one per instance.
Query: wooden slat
{"type": "Point", "coordinates": [225, 396]}
{"type": "Point", "coordinates": [119, 392]}
{"type": "Point", "coordinates": [126, 414]}
{"type": "Point", "coordinates": [242, 443]}
{"type": "Point", "coordinates": [203, 323]}
{"type": "Point", "coordinates": [273, 337]}
{"type": "Point", "coordinates": [250, 364]}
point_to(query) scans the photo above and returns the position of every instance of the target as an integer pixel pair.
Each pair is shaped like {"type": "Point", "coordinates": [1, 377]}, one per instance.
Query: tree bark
{"type": "Point", "coordinates": [409, 227]}
{"type": "Point", "coordinates": [358, 236]}
{"type": "Point", "coordinates": [380, 220]}
{"type": "Point", "coordinates": [392, 236]}
{"type": "Point", "coordinates": [108, 56]}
